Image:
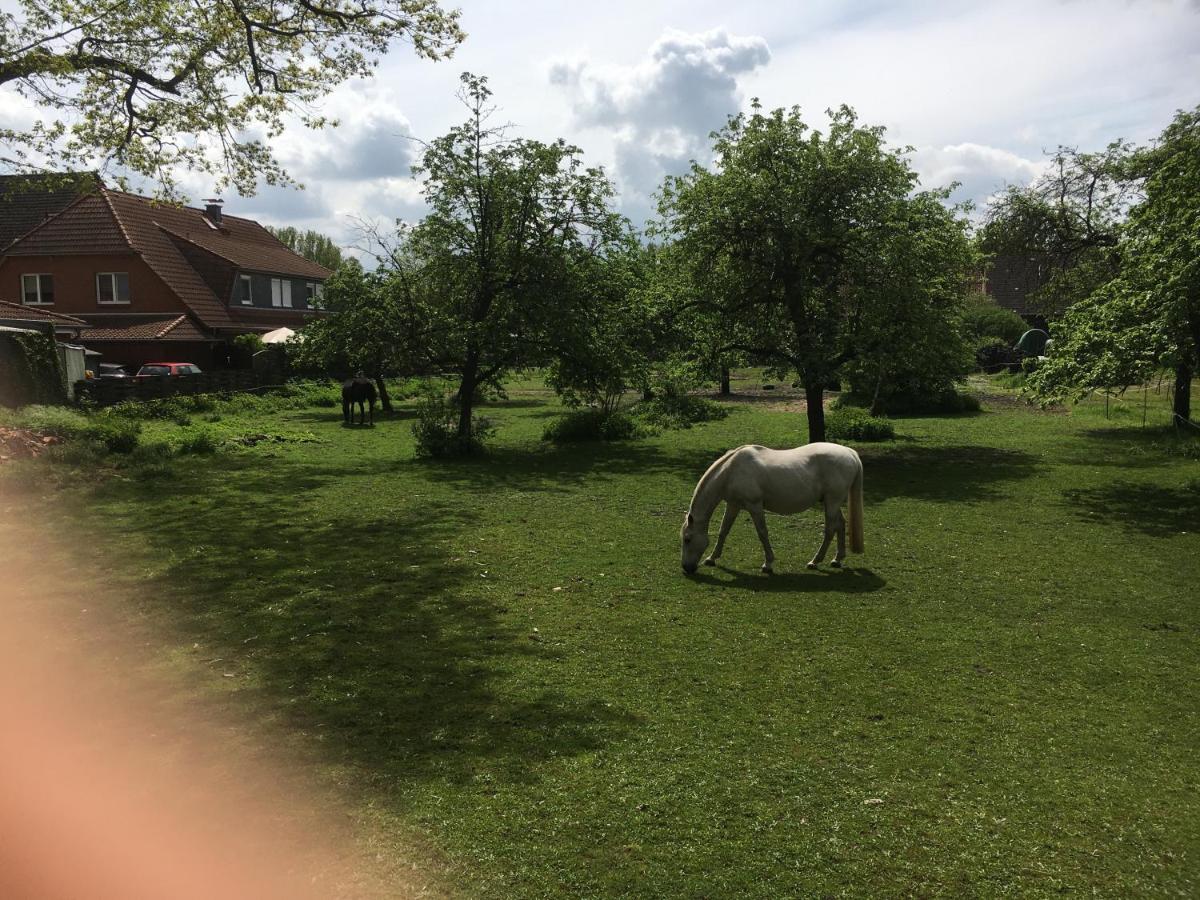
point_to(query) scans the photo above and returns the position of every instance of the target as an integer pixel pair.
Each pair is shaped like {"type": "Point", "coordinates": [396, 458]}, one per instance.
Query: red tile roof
{"type": "Point", "coordinates": [34, 314]}
{"type": "Point", "coordinates": [28, 200]}
{"type": "Point", "coordinates": [111, 221]}
{"type": "Point", "coordinates": [181, 328]}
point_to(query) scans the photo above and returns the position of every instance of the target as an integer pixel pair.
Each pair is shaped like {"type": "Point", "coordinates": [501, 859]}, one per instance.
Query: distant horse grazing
{"type": "Point", "coordinates": [358, 390]}
{"type": "Point", "coordinates": [782, 481]}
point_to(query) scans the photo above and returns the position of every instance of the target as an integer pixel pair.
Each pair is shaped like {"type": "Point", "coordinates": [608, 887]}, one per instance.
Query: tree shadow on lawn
{"type": "Point", "coordinates": [1134, 447]}
{"type": "Point", "coordinates": [968, 473]}
{"type": "Point", "coordinates": [849, 580]}
{"type": "Point", "coordinates": [362, 632]}
{"type": "Point", "coordinates": [1149, 509]}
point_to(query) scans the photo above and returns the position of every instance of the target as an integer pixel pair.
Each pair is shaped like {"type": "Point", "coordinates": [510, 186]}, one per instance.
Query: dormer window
{"type": "Point", "coordinates": [246, 293]}
{"type": "Point", "coordinates": [37, 290]}
{"type": "Point", "coordinates": [112, 287]}
{"type": "Point", "coordinates": [281, 292]}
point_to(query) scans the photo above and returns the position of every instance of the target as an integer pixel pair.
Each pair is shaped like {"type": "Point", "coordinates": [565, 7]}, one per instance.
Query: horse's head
{"type": "Point", "coordinates": [694, 540]}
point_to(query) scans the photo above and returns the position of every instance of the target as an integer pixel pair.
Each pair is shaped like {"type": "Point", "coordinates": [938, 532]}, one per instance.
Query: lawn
{"type": "Point", "coordinates": [500, 662]}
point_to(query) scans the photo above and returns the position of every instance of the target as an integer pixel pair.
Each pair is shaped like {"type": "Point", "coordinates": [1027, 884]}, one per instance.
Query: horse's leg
{"type": "Point", "coordinates": [347, 411]}
{"type": "Point", "coordinates": [731, 513]}
{"type": "Point", "coordinates": [760, 525]}
{"type": "Point", "coordinates": [834, 524]}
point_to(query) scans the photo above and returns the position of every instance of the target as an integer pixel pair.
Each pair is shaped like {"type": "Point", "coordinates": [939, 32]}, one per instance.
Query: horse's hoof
{"type": "Point", "coordinates": [767, 570]}
{"type": "Point", "coordinates": [812, 565]}
{"type": "Point", "coordinates": [836, 564]}
{"type": "Point", "coordinates": [710, 562]}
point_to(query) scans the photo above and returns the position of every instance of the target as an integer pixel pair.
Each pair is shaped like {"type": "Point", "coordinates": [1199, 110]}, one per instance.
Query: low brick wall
{"type": "Point", "coordinates": [109, 391]}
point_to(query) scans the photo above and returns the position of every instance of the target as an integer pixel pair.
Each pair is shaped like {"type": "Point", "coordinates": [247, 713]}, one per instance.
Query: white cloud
{"type": "Point", "coordinates": [662, 109]}
{"type": "Point", "coordinates": [980, 170]}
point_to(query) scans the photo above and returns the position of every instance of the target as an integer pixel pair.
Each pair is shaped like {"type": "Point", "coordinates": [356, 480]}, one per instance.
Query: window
{"type": "Point", "coordinates": [315, 290]}
{"type": "Point", "coordinates": [247, 295]}
{"type": "Point", "coordinates": [281, 292]}
{"type": "Point", "coordinates": [37, 290]}
{"type": "Point", "coordinates": [112, 287]}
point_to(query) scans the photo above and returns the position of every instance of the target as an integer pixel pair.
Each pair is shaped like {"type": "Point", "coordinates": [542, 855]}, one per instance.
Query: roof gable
{"type": "Point", "coordinates": [26, 201]}
{"type": "Point", "coordinates": [87, 225]}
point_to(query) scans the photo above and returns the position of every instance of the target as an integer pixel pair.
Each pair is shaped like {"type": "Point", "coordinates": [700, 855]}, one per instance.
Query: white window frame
{"type": "Point", "coordinates": [315, 290]}
{"type": "Point", "coordinates": [38, 276]}
{"type": "Point", "coordinates": [116, 300]}
{"type": "Point", "coordinates": [281, 292]}
{"type": "Point", "coordinates": [248, 293]}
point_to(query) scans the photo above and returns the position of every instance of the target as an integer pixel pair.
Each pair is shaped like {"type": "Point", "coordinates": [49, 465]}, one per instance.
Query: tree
{"type": "Point", "coordinates": [374, 324]}
{"type": "Point", "coordinates": [512, 225]}
{"type": "Point", "coordinates": [793, 238]}
{"type": "Point", "coordinates": [1068, 220]}
{"type": "Point", "coordinates": [310, 244]}
{"type": "Point", "coordinates": [157, 85]}
{"type": "Point", "coordinates": [1148, 315]}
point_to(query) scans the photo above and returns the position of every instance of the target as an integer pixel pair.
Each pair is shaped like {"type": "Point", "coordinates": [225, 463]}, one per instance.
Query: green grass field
{"type": "Point", "coordinates": [500, 661]}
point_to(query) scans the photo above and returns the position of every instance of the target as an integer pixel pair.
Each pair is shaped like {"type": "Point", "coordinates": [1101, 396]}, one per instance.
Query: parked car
{"type": "Point", "coordinates": [168, 368]}
{"type": "Point", "coordinates": [111, 370]}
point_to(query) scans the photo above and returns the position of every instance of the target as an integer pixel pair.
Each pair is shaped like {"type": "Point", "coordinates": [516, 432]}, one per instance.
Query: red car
{"type": "Point", "coordinates": [168, 368]}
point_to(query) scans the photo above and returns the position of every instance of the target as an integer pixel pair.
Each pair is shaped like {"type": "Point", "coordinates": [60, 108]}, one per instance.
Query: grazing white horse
{"type": "Point", "coordinates": [759, 479]}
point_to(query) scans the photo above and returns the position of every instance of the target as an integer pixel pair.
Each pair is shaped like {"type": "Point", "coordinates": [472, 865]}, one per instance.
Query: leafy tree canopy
{"type": "Point", "coordinates": [798, 242]}
{"type": "Point", "coordinates": [158, 85]}
{"type": "Point", "coordinates": [310, 244]}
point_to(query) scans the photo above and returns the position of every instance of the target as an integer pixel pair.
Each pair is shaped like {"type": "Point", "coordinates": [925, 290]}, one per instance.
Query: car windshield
{"type": "Point", "coordinates": [155, 370]}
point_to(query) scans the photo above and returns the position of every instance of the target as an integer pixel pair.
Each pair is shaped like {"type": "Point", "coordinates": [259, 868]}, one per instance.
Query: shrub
{"type": "Point", "coordinates": [851, 423]}
{"type": "Point", "coordinates": [436, 428]}
{"type": "Point", "coordinates": [56, 420]}
{"type": "Point", "coordinates": [117, 435]}
{"type": "Point", "coordinates": [591, 425]}
{"type": "Point", "coordinates": [981, 317]}
{"type": "Point", "coordinates": [678, 411]}
{"type": "Point", "coordinates": [198, 442]}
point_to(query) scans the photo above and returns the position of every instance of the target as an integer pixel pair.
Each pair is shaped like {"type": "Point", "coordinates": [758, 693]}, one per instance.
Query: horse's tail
{"type": "Point", "coordinates": [856, 510]}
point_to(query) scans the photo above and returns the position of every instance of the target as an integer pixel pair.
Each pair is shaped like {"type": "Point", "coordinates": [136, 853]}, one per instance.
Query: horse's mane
{"type": "Point", "coordinates": [709, 473]}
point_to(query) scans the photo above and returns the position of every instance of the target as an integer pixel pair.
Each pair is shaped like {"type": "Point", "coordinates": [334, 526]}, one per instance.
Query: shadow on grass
{"type": "Point", "coordinates": [966, 473]}
{"type": "Point", "coordinates": [1145, 508]}
{"type": "Point", "coordinates": [367, 633]}
{"type": "Point", "coordinates": [849, 580]}
{"type": "Point", "coordinates": [1136, 447]}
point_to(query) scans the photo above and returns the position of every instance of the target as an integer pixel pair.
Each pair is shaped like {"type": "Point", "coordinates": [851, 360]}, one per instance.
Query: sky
{"type": "Point", "coordinates": [979, 90]}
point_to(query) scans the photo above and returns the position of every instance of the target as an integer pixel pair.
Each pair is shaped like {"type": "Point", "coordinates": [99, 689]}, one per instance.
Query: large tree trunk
{"type": "Point", "coordinates": [385, 402]}
{"type": "Point", "coordinates": [1183, 395]}
{"type": "Point", "coordinates": [725, 391]}
{"type": "Point", "coordinates": [466, 399]}
{"type": "Point", "coordinates": [814, 394]}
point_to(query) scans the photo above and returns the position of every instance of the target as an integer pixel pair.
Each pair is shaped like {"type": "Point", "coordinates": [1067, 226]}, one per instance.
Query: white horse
{"type": "Point", "coordinates": [782, 481]}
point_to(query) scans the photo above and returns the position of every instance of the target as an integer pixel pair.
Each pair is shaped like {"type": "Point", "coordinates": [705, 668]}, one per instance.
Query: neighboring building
{"type": "Point", "coordinates": [1010, 280]}
{"type": "Point", "coordinates": [66, 328]}
{"type": "Point", "coordinates": [152, 280]}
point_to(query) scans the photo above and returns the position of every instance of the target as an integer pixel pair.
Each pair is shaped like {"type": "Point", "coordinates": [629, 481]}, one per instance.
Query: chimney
{"type": "Point", "coordinates": [212, 209]}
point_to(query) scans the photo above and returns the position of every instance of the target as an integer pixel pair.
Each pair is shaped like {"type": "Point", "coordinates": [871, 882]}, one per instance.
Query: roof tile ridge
{"type": "Point", "coordinates": [170, 326]}
{"type": "Point", "coordinates": [117, 218]}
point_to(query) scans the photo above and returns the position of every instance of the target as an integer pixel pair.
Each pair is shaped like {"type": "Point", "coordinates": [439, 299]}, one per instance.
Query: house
{"type": "Point", "coordinates": [1010, 280]}
{"type": "Point", "coordinates": [150, 280]}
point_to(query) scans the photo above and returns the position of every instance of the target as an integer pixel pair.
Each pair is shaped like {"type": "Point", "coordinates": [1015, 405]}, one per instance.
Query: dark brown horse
{"type": "Point", "coordinates": [358, 390]}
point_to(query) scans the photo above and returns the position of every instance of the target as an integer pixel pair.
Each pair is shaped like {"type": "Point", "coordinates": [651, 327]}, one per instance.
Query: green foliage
{"type": "Point", "coordinates": [506, 259]}
{"type": "Point", "coordinates": [157, 87]}
{"type": "Point", "coordinates": [851, 423]}
{"type": "Point", "coordinates": [678, 411]}
{"type": "Point", "coordinates": [59, 421]}
{"type": "Point", "coordinates": [30, 371]}
{"type": "Point", "coordinates": [198, 442]}
{"type": "Point", "coordinates": [249, 343]}
{"type": "Point", "coordinates": [117, 435]}
{"type": "Point", "coordinates": [982, 318]}
{"type": "Point", "coordinates": [310, 244]}
{"type": "Point", "coordinates": [437, 433]}
{"type": "Point", "coordinates": [868, 280]}
{"type": "Point", "coordinates": [592, 425]}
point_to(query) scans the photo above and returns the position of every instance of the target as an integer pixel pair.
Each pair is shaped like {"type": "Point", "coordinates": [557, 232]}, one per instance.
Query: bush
{"type": "Point", "coordinates": [117, 435]}
{"type": "Point", "coordinates": [851, 423]}
{"type": "Point", "coordinates": [436, 429]}
{"type": "Point", "coordinates": [591, 425]}
{"type": "Point", "coordinates": [981, 318]}
{"type": "Point", "coordinates": [678, 411]}
{"type": "Point", "coordinates": [56, 420]}
{"type": "Point", "coordinates": [198, 442]}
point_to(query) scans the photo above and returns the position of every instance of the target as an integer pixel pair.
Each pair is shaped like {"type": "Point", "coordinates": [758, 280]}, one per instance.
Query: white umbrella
{"type": "Point", "coordinates": [278, 336]}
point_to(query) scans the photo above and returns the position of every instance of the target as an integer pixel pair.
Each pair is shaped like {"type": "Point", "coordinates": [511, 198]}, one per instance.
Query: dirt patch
{"type": "Point", "coordinates": [21, 443]}
{"type": "Point", "coordinates": [1012, 401]}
